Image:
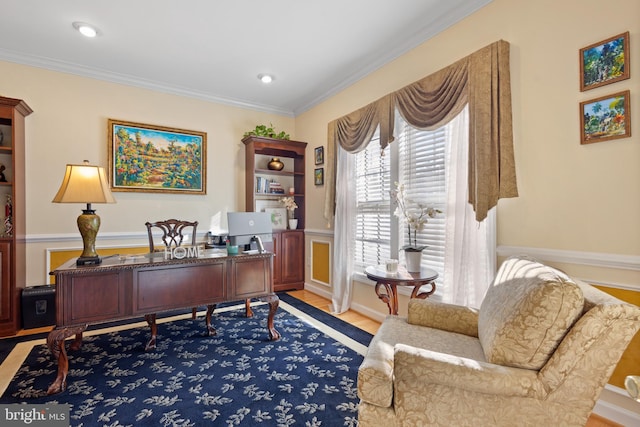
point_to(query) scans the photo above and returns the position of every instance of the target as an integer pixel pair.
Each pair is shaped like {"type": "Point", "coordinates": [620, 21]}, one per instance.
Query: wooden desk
{"type": "Point", "coordinates": [390, 282]}
{"type": "Point", "coordinates": [127, 287]}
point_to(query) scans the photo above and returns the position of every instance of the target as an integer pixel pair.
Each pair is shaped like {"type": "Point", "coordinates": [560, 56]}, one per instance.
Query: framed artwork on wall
{"type": "Point", "coordinates": [278, 218]}
{"type": "Point", "coordinates": [319, 155]}
{"type": "Point", "coordinates": [605, 62]}
{"type": "Point", "coordinates": [318, 176]}
{"type": "Point", "coordinates": [605, 118]}
{"type": "Point", "coordinates": [151, 158]}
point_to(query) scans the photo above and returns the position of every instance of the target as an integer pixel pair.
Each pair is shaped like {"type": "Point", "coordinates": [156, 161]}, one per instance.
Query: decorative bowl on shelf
{"type": "Point", "coordinates": [275, 164]}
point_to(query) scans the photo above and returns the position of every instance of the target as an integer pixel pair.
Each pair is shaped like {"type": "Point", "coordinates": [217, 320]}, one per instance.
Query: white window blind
{"type": "Point", "coordinates": [417, 159]}
{"type": "Point", "coordinates": [421, 167]}
{"type": "Point", "coordinates": [373, 218]}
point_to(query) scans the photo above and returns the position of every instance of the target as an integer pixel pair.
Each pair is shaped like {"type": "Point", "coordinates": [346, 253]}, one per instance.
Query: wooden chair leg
{"type": "Point", "coordinates": [193, 312]}
{"type": "Point", "coordinates": [247, 306]}
{"type": "Point", "coordinates": [151, 320]}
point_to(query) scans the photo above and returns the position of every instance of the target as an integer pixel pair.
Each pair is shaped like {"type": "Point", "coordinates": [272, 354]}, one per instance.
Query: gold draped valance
{"type": "Point", "coordinates": [482, 81]}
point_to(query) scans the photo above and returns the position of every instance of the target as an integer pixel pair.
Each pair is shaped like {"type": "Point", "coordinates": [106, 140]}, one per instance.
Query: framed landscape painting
{"type": "Point", "coordinates": [319, 155]}
{"type": "Point", "coordinates": [605, 118]}
{"type": "Point", "coordinates": [149, 158]}
{"type": "Point", "coordinates": [605, 62]}
{"type": "Point", "coordinates": [318, 176]}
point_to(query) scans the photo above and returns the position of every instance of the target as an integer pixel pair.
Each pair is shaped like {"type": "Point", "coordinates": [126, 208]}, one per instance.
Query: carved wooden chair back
{"type": "Point", "coordinates": [174, 232]}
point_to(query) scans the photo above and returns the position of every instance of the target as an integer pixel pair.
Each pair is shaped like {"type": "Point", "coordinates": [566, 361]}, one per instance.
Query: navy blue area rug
{"type": "Point", "coordinates": [238, 377]}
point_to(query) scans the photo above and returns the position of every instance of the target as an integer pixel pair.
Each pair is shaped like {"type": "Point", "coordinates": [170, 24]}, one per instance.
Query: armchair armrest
{"type": "Point", "coordinates": [415, 367]}
{"type": "Point", "coordinates": [448, 317]}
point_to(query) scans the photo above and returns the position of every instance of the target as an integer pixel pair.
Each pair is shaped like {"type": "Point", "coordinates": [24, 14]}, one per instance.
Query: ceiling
{"type": "Point", "coordinates": [214, 50]}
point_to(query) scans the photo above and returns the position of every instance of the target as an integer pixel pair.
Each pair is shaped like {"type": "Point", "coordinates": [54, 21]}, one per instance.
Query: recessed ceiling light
{"type": "Point", "coordinates": [265, 78]}
{"type": "Point", "coordinates": [86, 29]}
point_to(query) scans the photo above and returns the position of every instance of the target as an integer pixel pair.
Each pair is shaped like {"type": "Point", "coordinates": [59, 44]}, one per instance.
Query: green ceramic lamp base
{"type": "Point", "coordinates": [89, 224]}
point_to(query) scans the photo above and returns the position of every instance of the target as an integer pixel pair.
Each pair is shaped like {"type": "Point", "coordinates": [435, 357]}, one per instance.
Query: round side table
{"type": "Point", "coordinates": [387, 283]}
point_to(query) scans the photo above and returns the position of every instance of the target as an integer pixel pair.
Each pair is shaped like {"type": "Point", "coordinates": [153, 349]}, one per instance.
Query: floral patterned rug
{"type": "Point", "coordinates": [238, 377]}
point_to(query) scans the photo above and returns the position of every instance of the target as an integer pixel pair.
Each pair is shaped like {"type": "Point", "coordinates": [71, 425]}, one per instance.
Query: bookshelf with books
{"type": "Point", "coordinates": [264, 189]}
{"type": "Point", "coordinates": [13, 219]}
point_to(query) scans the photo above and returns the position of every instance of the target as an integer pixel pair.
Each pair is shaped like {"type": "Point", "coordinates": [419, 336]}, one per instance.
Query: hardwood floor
{"type": "Point", "coordinates": [371, 326]}
{"type": "Point", "coordinates": [351, 316]}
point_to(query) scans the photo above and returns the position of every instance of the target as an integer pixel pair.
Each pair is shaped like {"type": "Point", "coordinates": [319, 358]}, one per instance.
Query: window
{"type": "Point", "coordinates": [374, 216]}
{"type": "Point", "coordinates": [416, 158]}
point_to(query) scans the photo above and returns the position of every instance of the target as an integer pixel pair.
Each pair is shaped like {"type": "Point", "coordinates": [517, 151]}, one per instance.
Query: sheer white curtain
{"type": "Point", "coordinates": [342, 271]}
{"type": "Point", "coordinates": [470, 246]}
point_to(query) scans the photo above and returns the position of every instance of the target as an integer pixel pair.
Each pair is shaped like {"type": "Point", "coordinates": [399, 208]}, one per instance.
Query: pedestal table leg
{"type": "Point", "coordinates": [390, 297]}
{"type": "Point", "coordinates": [423, 295]}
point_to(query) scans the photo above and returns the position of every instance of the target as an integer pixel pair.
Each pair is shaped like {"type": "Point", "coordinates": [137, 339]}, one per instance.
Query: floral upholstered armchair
{"type": "Point", "coordinates": [538, 352]}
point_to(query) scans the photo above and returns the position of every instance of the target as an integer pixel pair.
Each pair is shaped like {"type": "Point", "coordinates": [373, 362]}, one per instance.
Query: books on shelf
{"type": "Point", "coordinates": [268, 186]}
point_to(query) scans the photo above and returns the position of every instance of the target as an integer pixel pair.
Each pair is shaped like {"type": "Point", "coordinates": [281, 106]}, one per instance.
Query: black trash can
{"type": "Point", "coordinates": [38, 306]}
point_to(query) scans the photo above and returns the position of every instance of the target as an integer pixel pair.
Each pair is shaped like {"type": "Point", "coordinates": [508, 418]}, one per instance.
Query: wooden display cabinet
{"type": "Point", "coordinates": [288, 245]}
{"type": "Point", "coordinates": [12, 218]}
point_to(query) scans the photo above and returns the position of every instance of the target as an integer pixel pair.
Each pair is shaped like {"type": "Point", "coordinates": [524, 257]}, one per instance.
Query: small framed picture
{"type": "Point", "coordinates": [278, 218]}
{"type": "Point", "coordinates": [604, 118]}
{"type": "Point", "coordinates": [605, 62]}
{"type": "Point", "coordinates": [319, 152]}
{"type": "Point", "coordinates": [318, 176]}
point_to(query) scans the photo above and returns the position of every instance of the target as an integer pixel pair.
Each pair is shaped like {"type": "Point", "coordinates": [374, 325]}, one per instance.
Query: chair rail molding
{"type": "Point", "coordinates": [70, 237]}
{"type": "Point", "coordinates": [624, 262]}
{"type": "Point", "coordinates": [318, 232]}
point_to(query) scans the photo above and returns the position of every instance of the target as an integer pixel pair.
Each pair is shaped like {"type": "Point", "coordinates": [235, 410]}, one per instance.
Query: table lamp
{"type": "Point", "coordinates": [86, 184]}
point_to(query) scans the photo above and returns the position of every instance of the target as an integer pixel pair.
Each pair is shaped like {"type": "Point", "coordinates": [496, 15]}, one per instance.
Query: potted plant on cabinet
{"type": "Point", "coordinates": [290, 204]}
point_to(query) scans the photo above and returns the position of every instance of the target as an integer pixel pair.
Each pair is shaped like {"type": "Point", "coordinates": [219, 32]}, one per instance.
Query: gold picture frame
{"type": "Point", "coordinates": [605, 62]}
{"type": "Point", "coordinates": [605, 118]}
{"type": "Point", "coordinates": [156, 159]}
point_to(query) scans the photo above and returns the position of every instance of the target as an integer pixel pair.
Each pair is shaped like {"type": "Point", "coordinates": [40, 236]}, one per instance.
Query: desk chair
{"type": "Point", "coordinates": [174, 232]}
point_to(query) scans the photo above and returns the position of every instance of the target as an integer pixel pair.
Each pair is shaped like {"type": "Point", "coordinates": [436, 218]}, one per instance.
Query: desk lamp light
{"type": "Point", "coordinates": [86, 184]}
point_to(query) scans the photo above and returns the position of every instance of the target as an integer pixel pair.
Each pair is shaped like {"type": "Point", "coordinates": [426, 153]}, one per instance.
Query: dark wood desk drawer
{"type": "Point", "coordinates": [178, 286]}
{"type": "Point", "coordinates": [89, 298]}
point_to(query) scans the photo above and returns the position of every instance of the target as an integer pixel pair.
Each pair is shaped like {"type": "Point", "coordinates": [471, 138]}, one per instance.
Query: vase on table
{"type": "Point", "coordinates": [413, 259]}
{"type": "Point", "coordinates": [293, 224]}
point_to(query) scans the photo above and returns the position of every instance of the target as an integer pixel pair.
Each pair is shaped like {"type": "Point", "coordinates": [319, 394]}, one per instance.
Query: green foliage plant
{"type": "Point", "coordinates": [269, 132]}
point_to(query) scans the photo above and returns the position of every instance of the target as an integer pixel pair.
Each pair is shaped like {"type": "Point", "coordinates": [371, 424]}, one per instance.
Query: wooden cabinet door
{"type": "Point", "coordinates": [250, 277]}
{"type": "Point", "coordinates": [292, 256]}
{"type": "Point", "coordinates": [277, 255]}
{"type": "Point", "coordinates": [6, 294]}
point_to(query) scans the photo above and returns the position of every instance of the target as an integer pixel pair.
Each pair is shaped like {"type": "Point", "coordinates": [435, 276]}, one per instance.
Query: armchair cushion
{"type": "Point", "coordinates": [527, 311]}
{"type": "Point", "coordinates": [439, 315]}
{"type": "Point", "coordinates": [375, 376]}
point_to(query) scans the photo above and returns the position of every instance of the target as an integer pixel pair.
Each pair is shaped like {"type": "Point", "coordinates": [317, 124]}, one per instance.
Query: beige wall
{"type": "Point", "coordinates": [574, 199]}
{"type": "Point", "coordinates": [579, 206]}
{"type": "Point", "coordinates": [69, 124]}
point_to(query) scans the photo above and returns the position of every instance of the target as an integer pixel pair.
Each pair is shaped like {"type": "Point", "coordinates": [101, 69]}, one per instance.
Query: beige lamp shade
{"type": "Point", "coordinates": [84, 184]}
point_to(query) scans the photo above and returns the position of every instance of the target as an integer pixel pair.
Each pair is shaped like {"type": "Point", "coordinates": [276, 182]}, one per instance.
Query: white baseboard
{"type": "Point", "coordinates": [615, 404]}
